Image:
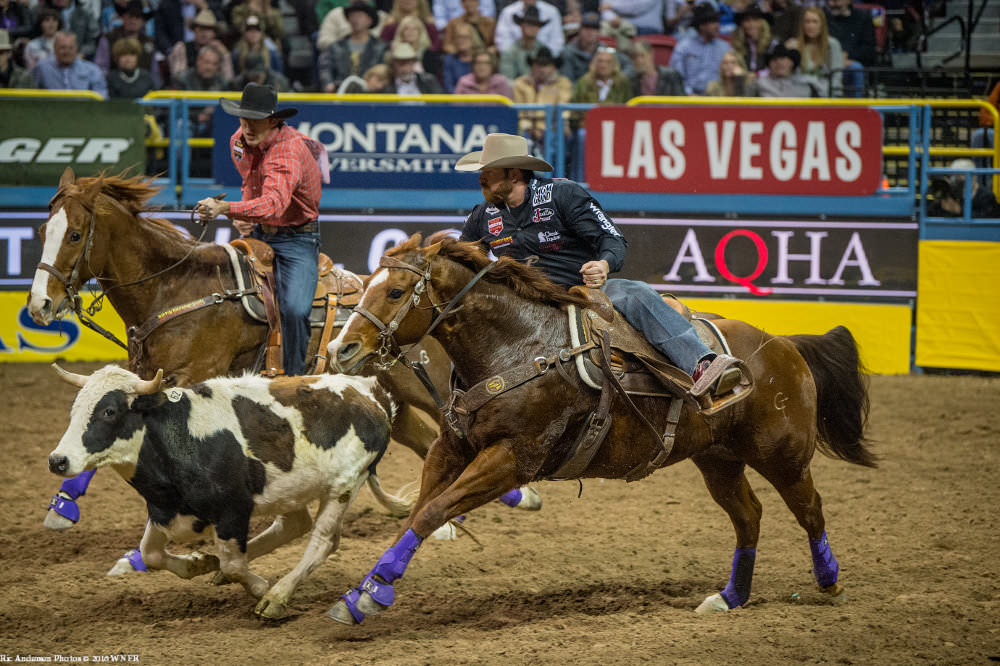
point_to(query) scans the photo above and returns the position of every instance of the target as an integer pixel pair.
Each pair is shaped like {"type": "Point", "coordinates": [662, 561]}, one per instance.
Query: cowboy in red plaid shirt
{"type": "Point", "coordinates": [281, 192]}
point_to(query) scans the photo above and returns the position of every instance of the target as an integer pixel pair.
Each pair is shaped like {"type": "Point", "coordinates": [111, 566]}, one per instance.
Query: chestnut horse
{"type": "Point", "coordinates": [145, 266]}
{"type": "Point", "coordinates": [810, 393]}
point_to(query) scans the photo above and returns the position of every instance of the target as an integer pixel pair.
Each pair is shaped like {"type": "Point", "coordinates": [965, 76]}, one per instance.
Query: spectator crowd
{"type": "Point", "coordinates": [597, 51]}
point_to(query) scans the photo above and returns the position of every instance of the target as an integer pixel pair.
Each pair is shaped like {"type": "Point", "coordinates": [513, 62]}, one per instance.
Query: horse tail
{"type": "Point", "coordinates": [841, 394]}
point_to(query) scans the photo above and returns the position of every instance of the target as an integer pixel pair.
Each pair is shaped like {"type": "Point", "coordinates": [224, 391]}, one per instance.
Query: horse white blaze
{"type": "Point", "coordinates": [55, 232]}
{"type": "Point", "coordinates": [377, 278]}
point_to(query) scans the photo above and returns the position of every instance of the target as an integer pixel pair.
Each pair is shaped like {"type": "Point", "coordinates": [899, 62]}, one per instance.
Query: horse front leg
{"type": "Point", "coordinates": [729, 487]}
{"type": "Point", "coordinates": [490, 474]}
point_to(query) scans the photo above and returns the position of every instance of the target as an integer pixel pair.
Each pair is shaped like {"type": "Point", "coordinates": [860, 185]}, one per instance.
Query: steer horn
{"type": "Point", "coordinates": [147, 386]}
{"type": "Point", "coordinates": [76, 380]}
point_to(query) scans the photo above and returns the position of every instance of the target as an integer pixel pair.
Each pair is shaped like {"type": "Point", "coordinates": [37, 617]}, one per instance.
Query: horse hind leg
{"type": "Point", "coordinates": [805, 503]}
{"type": "Point", "coordinates": [730, 489]}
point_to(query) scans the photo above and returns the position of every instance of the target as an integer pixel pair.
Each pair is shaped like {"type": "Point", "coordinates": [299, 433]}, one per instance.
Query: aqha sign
{"type": "Point", "coordinates": [734, 150]}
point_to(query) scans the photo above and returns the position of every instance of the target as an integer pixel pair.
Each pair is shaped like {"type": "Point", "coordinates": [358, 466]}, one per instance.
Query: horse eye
{"type": "Point", "coordinates": [396, 294]}
{"type": "Point", "coordinates": [75, 237]}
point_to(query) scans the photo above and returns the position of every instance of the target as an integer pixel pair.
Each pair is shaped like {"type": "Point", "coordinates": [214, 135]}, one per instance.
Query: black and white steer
{"type": "Point", "coordinates": [206, 458]}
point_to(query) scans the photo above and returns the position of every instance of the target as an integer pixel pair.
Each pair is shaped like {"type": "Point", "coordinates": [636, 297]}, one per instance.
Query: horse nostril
{"type": "Point", "coordinates": [346, 352]}
{"type": "Point", "coordinates": [58, 464]}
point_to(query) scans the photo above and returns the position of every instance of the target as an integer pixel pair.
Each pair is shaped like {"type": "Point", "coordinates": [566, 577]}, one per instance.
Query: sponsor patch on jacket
{"type": "Point", "coordinates": [605, 222]}
{"type": "Point", "coordinates": [238, 149]}
{"type": "Point", "coordinates": [542, 215]}
{"type": "Point", "coordinates": [542, 195]}
{"type": "Point", "coordinates": [550, 241]}
{"type": "Point", "coordinates": [501, 243]}
{"type": "Point", "coordinates": [495, 226]}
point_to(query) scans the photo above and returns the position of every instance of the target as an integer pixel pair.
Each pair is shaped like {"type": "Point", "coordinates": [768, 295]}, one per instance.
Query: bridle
{"type": "Point", "coordinates": [85, 315]}
{"type": "Point", "coordinates": [390, 351]}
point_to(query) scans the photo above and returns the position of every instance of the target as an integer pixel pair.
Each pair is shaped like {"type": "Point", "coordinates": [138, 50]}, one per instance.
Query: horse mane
{"type": "Point", "coordinates": [132, 193]}
{"type": "Point", "coordinates": [524, 280]}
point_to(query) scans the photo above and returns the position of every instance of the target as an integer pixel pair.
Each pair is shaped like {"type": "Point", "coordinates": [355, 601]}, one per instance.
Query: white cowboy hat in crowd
{"type": "Point", "coordinates": [502, 151]}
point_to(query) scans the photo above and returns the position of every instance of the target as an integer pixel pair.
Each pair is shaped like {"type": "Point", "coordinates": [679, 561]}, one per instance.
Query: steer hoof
{"type": "Point", "coordinates": [219, 579]}
{"type": "Point", "coordinates": [712, 604]}
{"type": "Point", "coordinates": [271, 609]}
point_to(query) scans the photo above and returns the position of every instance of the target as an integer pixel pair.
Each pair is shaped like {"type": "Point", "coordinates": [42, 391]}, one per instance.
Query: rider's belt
{"type": "Point", "coordinates": [308, 227]}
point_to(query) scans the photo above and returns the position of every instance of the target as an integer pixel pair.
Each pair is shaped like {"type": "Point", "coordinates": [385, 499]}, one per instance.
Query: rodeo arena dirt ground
{"type": "Point", "coordinates": [610, 577]}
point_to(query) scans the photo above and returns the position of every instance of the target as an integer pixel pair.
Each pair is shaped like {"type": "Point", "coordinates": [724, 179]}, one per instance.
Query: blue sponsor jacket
{"type": "Point", "coordinates": [559, 222]}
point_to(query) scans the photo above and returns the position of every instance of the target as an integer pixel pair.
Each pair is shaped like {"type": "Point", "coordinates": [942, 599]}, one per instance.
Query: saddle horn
{"type": "Point", "coordinates": [70, 377]}
{"type": "Point", "coordinates": [147, 386]}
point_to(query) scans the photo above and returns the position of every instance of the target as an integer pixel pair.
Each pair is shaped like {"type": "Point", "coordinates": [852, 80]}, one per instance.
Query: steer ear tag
{"type": "Point", "coordinates": [175, 395]}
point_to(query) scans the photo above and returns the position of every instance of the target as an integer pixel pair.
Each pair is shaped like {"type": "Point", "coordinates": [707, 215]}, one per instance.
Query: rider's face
{"type": "Point", "coordinates": [255, 131]}
{"type": "Point", "coordinates": [496, 184]}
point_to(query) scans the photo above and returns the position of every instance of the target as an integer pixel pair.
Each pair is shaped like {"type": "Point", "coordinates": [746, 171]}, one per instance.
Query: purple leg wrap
{"type": "Point", "coordinates": [378, 582]}
{"type": "Point", "coordinates": [738, 590]}
{"type": "Point", "coordinates": [77, 485]}
{"type": "Point", "coordinates": [135, 559]}
{"type": "Point", "coordinates": [825, 566]}
{"type": "Point", "coordinates": [512, 497]}
{"type": "Point", "coordinates": [74, 487]}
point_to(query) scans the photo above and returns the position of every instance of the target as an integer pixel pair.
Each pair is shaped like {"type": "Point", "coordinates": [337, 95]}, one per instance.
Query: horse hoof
{"type": "Point", "coordinates": [530, 499]}
{"type": "Point", "coordinates": [54, 521]}
{"type": "Point", "coordinates": [446, 532]}
{"type": "Point", "coordinates": [121, 567]}
{"type": "Point", "coordinates": [712, 604]}
{"type": "Point", "coordinates": [339, 613]}
{"type": "Point", "coordinates": [836, 594]}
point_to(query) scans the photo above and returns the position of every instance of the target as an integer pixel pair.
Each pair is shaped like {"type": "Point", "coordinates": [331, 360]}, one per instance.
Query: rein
{"type": "Point", "coordinates": [389, 348]}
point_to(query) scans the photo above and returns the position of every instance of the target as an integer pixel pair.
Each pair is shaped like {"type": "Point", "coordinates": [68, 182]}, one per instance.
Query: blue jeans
{"type": "Point", "coordinates": [664, 328]}
{"type": "Point", "coordinates": [295, 276]}
{"type": "Point", "coordinates": [854, 80]}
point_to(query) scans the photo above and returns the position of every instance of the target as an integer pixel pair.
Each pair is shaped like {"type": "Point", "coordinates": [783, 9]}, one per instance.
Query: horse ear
{"type": "Point", "coordinates": [68, 177]}
{"type": "Point", "coordinates": [415, 240]}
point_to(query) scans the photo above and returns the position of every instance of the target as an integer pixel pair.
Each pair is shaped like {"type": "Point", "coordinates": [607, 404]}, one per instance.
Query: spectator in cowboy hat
{"type": "Point", "coordinates": [253, 42]}
{"type": "Point", "coordinates": [551, 34]}
{"type": "Point", "coordinates": [270, 19]}
{"type": "Point", "coordinates": [580, 51]}
{"type": "Point", "coordinates": [405, 79]}
{"type": "Point", "coordinates": [514, 59]}
{"type": "Point", "coordinates": [783, 79]}
{"type": "Point", "coordinates": [752, 38]}
{"type": "Point", "coordinates": [134, 17]}
{"type": "Point", "coordinates": [206, 33]}
{"type": "Point", "coordinates": [354, 54]}
{"type": "Point", "coordinates": [543, 85]}
{"type": "Point", "coordinates": [698, 55]}
{"type": "Point", "coordinates": [11, 76]}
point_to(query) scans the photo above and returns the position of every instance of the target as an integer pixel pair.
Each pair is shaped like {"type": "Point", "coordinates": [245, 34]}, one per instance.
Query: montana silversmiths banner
{"type": "Point", "coordinates": [384, 146]}
{"type": "Point", "coordinates": [40, 138]}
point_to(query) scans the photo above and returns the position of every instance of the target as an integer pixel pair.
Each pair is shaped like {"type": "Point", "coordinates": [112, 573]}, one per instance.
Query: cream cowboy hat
{"type": "Point", "coordinates": [500, 151]}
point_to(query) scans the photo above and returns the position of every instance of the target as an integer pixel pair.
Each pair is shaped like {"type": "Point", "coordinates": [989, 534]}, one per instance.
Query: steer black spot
{"type": "Point", "coordinates": [256, 476]}
{"type": "Point", "coordinates": [269, 436]}
{"type": "Point", "coordinates": [111, 420]}
{"type": "Point", "coordinates": [327, 417]}
{"type": "Point", "coordinates": [203, 390]}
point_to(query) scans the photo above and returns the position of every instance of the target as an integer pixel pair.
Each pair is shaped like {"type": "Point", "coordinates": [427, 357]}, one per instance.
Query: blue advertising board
{"type": "Point", "coordinates": [378, 146]}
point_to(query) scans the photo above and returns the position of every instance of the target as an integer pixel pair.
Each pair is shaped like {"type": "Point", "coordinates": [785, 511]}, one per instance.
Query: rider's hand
{"type": "Point", "coordinates": [209, 209]}
{"type": "Point", "coordinates": [243, 227]}
{"type": "Point", "coordinates": [595, 273]}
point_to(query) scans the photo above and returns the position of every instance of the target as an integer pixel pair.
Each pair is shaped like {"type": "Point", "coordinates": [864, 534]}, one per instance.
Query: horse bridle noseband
{"type": "Point", "coordinates": [390, 351]}
{"type": "Point", "coordinates": [85, 315]}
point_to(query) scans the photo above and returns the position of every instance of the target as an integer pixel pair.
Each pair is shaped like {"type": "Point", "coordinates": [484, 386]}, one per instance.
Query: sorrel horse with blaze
{"type": "Point", "coordinates": [810, 393]}
{"type": "Point", "coordinates": [146, 266]}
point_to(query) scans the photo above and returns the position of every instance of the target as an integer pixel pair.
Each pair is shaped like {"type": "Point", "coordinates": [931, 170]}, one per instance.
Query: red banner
{"type": "Point", "coordinates": [734, 150]}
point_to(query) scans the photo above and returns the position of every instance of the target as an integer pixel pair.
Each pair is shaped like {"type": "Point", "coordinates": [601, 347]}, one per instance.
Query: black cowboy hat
{"type": "Point", "coordinates": [779, 50]}
{"type": "Point", "coordinates": [257, 102]}
{"type": "Point", "coordinates": [362, 6]}
{"type": "Point", "coordinates": [704, 13]}
{"type": "Point", "coordinates": [753, 11]}
{"type": "Point", "coordinates": [530, 15]}
{"type": "Point", "coordinates": [135, 8]}
{"type": "Point", "coordinates": [590, 20]}
{"type": "Point", "coordinates": [543, 56]}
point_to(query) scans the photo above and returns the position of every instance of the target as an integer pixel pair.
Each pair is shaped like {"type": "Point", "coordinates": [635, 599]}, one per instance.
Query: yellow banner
{"type": "Point", "coordinates": [882, 331]}
{"type": "Point", "coordinates": [958, 312]}
{"type": "Point", "coordinates": [21, 339]}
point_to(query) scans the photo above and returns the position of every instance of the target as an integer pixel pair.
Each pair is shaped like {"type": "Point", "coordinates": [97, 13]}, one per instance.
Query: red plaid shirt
{"type": "Point", "coordinates": [281, 179]}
